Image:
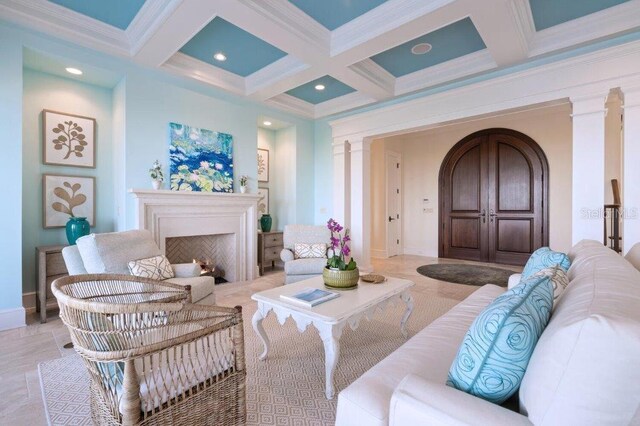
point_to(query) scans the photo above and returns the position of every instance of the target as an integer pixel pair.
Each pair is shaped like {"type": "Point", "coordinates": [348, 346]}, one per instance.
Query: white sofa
{"type": "Point", "coordinates": [109, 253]}
{"type": "Point", "coordinates": [585, 369]}
{"type": "Point", "coordinates": [301, 269]}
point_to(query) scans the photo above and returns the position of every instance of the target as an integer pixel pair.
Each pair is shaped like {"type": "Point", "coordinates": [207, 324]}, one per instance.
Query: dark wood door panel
{"type": "Point", "coordinates": [465, 233]}
{"type": "Point", "coordinates": [514, 180]}
{"type": "Point", "coordinates": [465, 181]}
{"type": "Point", "coordinates": [514, 235]}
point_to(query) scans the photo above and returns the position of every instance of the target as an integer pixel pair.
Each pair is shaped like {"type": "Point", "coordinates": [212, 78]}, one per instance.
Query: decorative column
{"type": "Point", "coordinates": [631, 168]}
{"type": "Point", "coordinates": [588, 167]}
{"type": "Point", "coordinates": [341, 181]}
{"type": "Point", "coordinates": [361, 202]}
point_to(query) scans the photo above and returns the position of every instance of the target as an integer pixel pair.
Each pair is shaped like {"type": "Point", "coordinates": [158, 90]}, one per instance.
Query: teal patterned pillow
{"type": "Point", "coordinates": [495, 351]}
{"type": "Point", "coordinates": [544, 258]}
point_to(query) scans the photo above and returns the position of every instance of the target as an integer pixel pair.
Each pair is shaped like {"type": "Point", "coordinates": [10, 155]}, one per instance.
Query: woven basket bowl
{"type": "Point", "coordinates": [341, 279]}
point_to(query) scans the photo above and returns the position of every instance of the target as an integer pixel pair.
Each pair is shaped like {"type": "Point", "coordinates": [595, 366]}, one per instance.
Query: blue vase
{"type": "Point", "coordinates": [265, 222]}
{"type": "Point", "coordinates": [76, 228]}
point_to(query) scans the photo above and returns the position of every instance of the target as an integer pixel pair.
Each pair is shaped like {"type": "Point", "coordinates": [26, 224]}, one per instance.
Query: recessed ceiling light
{"type": "Point", "coordinates": [220, 57]}
{"type": "Point", "coordinates": [319, 86]}
{"type": "Point", "coordinates": [74, 71]}
{"type": "Point", "coordinates": [266, 123]}
{"type": "Point", "coordinates": [421, 48]}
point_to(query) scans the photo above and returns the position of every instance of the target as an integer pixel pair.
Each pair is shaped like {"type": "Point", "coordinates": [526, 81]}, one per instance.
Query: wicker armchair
{"type": "Point", "coordinates": [152, 358]}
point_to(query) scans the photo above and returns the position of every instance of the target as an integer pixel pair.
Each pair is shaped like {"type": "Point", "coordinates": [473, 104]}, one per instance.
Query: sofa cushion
{"type": "Point", "coordinates": [155, 268]}
{"type": "Point", "coordinates": [585, 369]}
{"type": "Point", "coordinates": [201, 287]}
{"type": "Point", "coordinates": [633, 256]}
{"type": "Point", "coordinates": [73, 260]}
{"type": "Point", "coordinates": [111, 252]}
{"type": "Point", "coordinates": [305, 266]}
{"type": "Point", "coordinates": [428, 354]}
{"type": "Point", "coordinates": [495, 351]}
{"type": "Point", "coordinates": [310, 251]}
{"type": "Point", "coordinates": [545, 258]}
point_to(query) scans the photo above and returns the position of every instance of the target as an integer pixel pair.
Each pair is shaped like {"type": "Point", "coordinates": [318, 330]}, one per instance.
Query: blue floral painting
{"type": "Point", "coordinates": [200, 159]}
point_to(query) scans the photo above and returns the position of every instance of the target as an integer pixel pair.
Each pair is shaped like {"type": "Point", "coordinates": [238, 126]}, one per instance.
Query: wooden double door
{"type": "Point", "coordinates": [493, 198]}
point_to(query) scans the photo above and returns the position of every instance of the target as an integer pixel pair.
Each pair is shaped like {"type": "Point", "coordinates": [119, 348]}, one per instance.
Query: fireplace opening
{"type": "Point", "coordinates": [216, 254]}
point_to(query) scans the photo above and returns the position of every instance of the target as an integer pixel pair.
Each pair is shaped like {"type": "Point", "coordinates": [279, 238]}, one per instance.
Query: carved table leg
{"type": "Point", "coordinates": [331, 338]}
{"type": "Point", "coordinates": [408, 300]}
{"type": "Point", "coordinates": [257, 326]}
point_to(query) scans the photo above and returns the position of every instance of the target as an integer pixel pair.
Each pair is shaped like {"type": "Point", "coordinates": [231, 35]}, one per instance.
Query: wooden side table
{"type": "Point", "coordinates": [270, 245]}
{"type": "Point", "coordinates": [50, 267]}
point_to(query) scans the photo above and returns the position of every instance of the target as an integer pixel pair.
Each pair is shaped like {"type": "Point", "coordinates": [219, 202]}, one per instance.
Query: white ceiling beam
{"type": "Point", "coordinates": [367, 77]}
{"type": "Point", "coordinates": [188, 18]}
{"type": "Point", "coordinates": [499, 27]}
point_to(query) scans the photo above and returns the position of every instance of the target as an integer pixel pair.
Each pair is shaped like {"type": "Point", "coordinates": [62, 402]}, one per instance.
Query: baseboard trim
{"type": "Point", "coordinates": [12, 318]}
{"type": "Point", "coordinates": [419, 252]}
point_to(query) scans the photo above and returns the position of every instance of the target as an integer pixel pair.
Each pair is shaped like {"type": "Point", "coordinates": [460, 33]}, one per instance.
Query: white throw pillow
{"type": "Point", "coordinates": [156, 268]}
{"type": "Point", "coordinates": [559, 280]}
{"type": "Point", "coordinates": [309, 251]}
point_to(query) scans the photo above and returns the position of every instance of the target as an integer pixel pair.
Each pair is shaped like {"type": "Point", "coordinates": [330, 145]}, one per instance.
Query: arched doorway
{"type": "Point", "coordinates": [493, 198]}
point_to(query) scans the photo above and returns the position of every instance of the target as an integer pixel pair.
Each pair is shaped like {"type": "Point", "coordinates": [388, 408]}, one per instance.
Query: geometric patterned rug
{"type": "Point", "coordinates": [285, 389]}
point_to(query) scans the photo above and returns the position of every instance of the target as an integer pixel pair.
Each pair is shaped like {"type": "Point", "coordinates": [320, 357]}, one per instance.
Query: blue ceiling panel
{"type": "Point", "coordinates": [118, 13]}
{"type": "Point", "coordinates": [335, 13]}
{"type": "Point", "coordinates": [245, 52]}
{"type": "Point", "coordinates": [333, 89]}
{"type": "Point", "coordinates": [450, 42]}
{"type": "Point", "coordinates": [548, 13]}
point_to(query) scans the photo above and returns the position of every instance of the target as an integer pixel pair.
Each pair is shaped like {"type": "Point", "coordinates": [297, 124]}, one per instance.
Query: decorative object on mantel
{"type": "Point", "coordinates": [466, 274]}
{"type": "Point", "coordinates": [265, 222]}
{"type": "Point", "coordinates": [68, 201]}
{"type": "Point", "coordinates": [263, 165]}
{"type": "Point", "coordinates": [263, 202]}
{"type": "Point", "coordinates": [156, 175]}
{"type": "Point", "coordinates": [244, 179]}
{"type": "Point", "coordinates": [68, 139]}
{"type": "Point", "coordinates": [200, 159]}
{"type": "Point", "coordinates": [339, 273]}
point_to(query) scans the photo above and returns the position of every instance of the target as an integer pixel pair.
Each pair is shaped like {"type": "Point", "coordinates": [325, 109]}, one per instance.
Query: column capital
{"type": "Point", "coordinates": [339, 146]}
{"type": "Point", "coordinates": [589, 104]}
{"type": "Point", "coordinates": [363, 144]}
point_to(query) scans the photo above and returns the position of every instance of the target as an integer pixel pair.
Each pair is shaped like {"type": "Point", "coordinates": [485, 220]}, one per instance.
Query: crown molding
{"type": "Point", "coordinates": [380, 20]}
{"type": "Point", "coordinates": [44, 16]}
{"type": "Point", "coordinates": [463, 66]}
{"type": "Point", "coordinates": [605, 23]}
{"type": "Point", "coordinates": [151, 16]}
{"type": "Point", "coordinates": [292, 104]}
{"type": "Point", "coordinates": [186, 66]}
{"type": "Point", "coordinates": [522, 15]}
{"type": "Point", "coordinates": [375, 74]}
{"type": "Point", "coordinates": [272, 73]}
{"type": "Point", "coordinates": [341, 103]}
{"type": "Point", "coordinates": [295, 21]}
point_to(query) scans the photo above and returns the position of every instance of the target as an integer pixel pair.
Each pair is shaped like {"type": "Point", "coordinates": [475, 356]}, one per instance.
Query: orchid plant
{"type": "Point", "coordinates": [339, 243]}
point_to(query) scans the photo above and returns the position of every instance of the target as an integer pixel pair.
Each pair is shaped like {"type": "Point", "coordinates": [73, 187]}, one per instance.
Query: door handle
{"type": "Point", "coordinates": [391, 219]}
{"type": "Point", "coordinates": [492, 214]}
{"type": "Point", "coordinates": [483, 215]}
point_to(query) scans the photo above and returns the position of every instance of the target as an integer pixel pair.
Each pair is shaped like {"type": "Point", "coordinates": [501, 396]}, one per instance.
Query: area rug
{"type": "Point", "coordinates": [285, 389]}
{"type": "Point", "coordinates": [466, 274]}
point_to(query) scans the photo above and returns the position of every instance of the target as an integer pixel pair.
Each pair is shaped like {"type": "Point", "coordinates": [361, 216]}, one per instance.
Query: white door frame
{"type": "Point", "coordinates": [398, 160]}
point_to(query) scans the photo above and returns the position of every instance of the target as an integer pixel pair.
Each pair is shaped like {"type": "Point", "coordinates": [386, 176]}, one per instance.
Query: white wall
{"type": "Point", "coordinates": [423, 153]}
{"type": "Point", "coordinates": [285, 186]}
{"type": "Point", "coordinates": [613, 147]}
{"type": "Point", "coordinates": [378, 200]}
{"type": "Point", "coordinates": [267, 140]}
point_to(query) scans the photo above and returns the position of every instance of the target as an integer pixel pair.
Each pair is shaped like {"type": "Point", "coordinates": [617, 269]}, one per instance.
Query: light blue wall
{"type": "Point", "coordinates": [46, 91]}
{"type": "Point", "coordinates": [11, 211]}
{"type": "Point", "coordinates": [323, 172]}
{"type": "Point", "coordinates": [304, 173]}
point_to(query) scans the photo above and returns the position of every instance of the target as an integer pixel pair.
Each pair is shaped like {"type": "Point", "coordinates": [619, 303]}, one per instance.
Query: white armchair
{"type": "Point", "coordinates": [109, 253]}
{"type": "Point", "coordinates": [301, 269]}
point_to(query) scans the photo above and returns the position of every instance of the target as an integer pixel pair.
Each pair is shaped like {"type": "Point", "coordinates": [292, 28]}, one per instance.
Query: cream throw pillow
{"type": "Point", "coordinates": [559, 280]}
{"type": "Point", "coordinates": [156, 268]}
{"type": "Point", "coordinates": [309, 251]}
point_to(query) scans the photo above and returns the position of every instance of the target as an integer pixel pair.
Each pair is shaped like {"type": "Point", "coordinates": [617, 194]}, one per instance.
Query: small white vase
{"type": "Point", "coordinates": [156, 184]}
{"type": "Point", "coordinates": [243, 189]}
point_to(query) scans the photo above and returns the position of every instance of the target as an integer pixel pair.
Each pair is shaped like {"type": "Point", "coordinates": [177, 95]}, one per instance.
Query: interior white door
{"type": "Point", "coordinates": [393, 182]}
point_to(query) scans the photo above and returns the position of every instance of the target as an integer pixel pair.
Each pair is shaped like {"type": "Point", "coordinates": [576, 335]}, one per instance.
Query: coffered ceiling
{"type": "Point", "coordinates": [317, 58]}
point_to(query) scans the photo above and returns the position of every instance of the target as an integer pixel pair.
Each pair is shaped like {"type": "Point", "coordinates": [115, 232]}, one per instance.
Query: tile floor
{"type": "Point", "coordinates": [22, 349]}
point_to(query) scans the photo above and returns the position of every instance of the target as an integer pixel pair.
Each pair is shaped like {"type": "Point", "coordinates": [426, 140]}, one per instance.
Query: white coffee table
{"type": "Point", "coordinates": [330, 318]}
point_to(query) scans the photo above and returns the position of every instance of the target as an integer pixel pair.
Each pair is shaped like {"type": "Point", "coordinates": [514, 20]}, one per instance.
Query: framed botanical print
{"type": "Point", "coordinates": [68, 139]}
{"type": "Point", "coordinates": [66, 196]}
{"type": "Point", "coordinates": [263, 165]}
{"type": "Point", "coordinates": [263, 202]}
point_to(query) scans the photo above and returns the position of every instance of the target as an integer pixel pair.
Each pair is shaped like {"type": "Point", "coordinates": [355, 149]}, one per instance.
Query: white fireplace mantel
{"type": "Point", "coordinates": [181, 214]}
